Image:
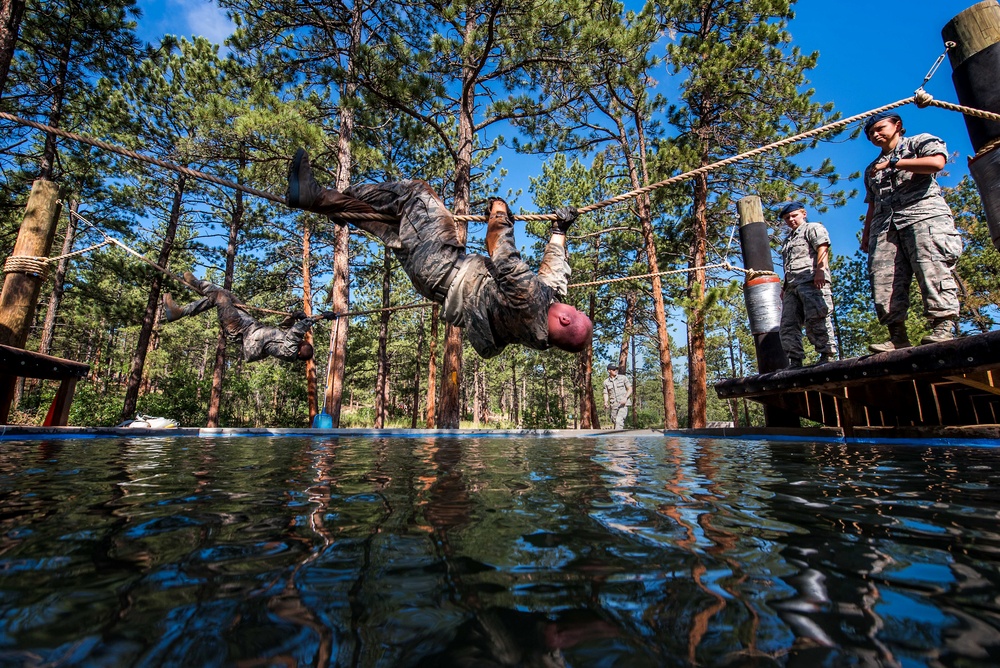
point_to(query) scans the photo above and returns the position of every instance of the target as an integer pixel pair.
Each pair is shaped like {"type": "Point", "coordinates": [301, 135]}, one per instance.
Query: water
{"type": "Point", "coordinates": [496, 552]}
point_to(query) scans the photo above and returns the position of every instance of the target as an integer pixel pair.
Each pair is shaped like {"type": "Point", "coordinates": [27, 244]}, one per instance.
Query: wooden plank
{"type": "Point", "coordinates": [979, 353]}
{"type": "Point", "coordinates": [28, 364]}
{"type": "Point", "coordinates": [981, 381]}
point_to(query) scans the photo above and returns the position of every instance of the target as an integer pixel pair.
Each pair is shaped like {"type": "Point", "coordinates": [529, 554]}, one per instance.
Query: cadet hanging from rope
{"type": "Point", "coordinates": [498, 300]}
{"type": "Point", "coordinates": [258, 341]}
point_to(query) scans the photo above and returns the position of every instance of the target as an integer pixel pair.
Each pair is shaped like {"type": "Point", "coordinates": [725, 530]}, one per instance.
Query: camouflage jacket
{"type": "Point", "coordinates": [503, 301]}
{"type": "Point", "coordinates": [799, 251]}
{"type": "Point", "coordinates": [260, 341]}
{"type": "Point", "coordinates": [900, 197]}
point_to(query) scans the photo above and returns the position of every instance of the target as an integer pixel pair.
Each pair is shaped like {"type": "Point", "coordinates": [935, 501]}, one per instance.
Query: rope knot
{"type": "Point", "coordinates": [922, 98]}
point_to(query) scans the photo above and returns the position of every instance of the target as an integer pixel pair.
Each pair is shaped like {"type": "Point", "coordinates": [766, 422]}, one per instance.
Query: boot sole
{"type": "Point", "coordinates": [293, 178]}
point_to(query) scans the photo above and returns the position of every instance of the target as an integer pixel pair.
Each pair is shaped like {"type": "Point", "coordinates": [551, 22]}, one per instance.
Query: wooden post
{"type": "Point", "coordinates": [20, 290]}
{"type": "Point", "coordinates": [756, 247]}
{"type": "Point", "coordinates": [975, 61]}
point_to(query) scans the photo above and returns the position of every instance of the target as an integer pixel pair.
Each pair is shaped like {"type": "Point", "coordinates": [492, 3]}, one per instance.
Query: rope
{"type": "Point", "coordinates": [26, 264]}
{"type": "Point", "coordinates": [751, 273]}
{"type": "Point", "coordinates": [139, 156]}
{"type": "Point", "coordinates": [527, 217]}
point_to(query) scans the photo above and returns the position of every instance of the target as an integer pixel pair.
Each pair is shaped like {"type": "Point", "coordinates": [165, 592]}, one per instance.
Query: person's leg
{"type": "Point", "coordinates": [890, 275]}
{"type": "Point", "coordinates": [817, 304]}
{"type": "Point", "coordinates": [790, 329]}
{"type": "Point", "coordinates": [429, 245]}
{"type": "Point", "coordinates": [620, 417]}
{"type": "Point", "coordinates": [934, 247]}
{"type": "Point", "coordinates": [172, 312]}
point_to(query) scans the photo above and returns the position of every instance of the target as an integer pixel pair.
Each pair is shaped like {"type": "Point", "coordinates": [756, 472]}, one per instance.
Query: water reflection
{"type": "Point", "coordinates": [496, 552]}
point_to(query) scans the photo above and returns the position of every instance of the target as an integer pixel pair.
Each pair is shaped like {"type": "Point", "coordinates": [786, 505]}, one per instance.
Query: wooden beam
{"type": "Point", "coordinates": [28, 364]}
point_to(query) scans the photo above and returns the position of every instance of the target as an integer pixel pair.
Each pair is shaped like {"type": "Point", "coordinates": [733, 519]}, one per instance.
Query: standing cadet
{"type": "Point", "coordinates": [806, 293]}
{"type": "Point", "coordinates": [617, 396]}
{"type": "Point", "coordinates": [909, 230]}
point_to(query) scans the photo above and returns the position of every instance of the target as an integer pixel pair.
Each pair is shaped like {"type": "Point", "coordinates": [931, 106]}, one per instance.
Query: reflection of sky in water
{"type": "Point", "coordinates": [602, 551]}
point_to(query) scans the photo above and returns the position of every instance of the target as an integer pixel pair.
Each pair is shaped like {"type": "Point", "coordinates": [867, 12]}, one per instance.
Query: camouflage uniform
{"type": "Point", "coordinates": [803, 302]}
{"type": "Point", "coordinates": [615, 391]}
{"type": "Point", "coordinates": [497, 300]}
{"type": "Point", "coordinates": [258, 341]}
{"type": "Point", "coordinates": [911, 232]}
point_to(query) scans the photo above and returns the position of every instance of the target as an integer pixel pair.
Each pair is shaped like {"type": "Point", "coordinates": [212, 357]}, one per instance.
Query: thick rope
{"type": "Point", "coordinates": [26, 264]}
{"type": "Point", "coordinates": [142, 158]}
{"type": "Point", "coordinates": [751, 273]}
{"type": "Point", "coordinates": [527, 217]}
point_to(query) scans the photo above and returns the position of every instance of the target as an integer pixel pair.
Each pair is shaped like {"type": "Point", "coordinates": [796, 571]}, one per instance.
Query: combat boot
{"type": "Point", "coordinates": [826, 358]}
{"type": "Point", "coordinates": [794, 363]}
{"type": "Point", "coordinates": [897, 339]}
{"type": "Point", "coordinates": [303, 191]}
{"type": "Point", "coordinates": [171, 311]}
{"type": "Point", "coordinates": [943, 330]}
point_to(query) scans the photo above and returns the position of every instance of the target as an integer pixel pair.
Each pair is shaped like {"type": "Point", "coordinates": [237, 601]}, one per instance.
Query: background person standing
{"type": "Point", "coordinates": [617, 396]}
{"type": "Point", "coordinates": [909, 231]}
{"type": "Point", "coordinates": [806, 292]}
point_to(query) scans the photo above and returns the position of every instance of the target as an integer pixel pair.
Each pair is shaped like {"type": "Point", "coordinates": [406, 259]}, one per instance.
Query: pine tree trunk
{"type": "Point", "coordinates": [307, 309]}
{"type": "Point", "coordinates": [649, 243]}
{"type": "Point", "coordinates": [58, 282]}
{"type": "Point", "coordinates": [382, 372]}
{"type": "Point", "coordinates": [342, 234]}
{"type": "Point", "coordinates": [697, 368]}
{"type": "Point", "coordinates": [138, 362]}
{"type": "Point", "coordinates": [432, 371]}
{"type": "Point", "coordinates": [11, 12]}
{"type": "Point", "coordinates": [48, 161]}
{"type": "Point", "coordinates": [515, 408]}
{"type": "Point", "coordinates": [449, 411]}
{"type": "Point", "coordinates": [415, 407]}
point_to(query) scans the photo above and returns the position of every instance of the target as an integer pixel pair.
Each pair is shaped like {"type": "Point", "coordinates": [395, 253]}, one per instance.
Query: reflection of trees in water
{"type": "Point", "coordinates": [903, 540]}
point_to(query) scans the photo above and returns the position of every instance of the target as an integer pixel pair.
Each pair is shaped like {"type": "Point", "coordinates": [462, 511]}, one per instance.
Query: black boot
{"type": "Point", "coordinates": [302, 187]}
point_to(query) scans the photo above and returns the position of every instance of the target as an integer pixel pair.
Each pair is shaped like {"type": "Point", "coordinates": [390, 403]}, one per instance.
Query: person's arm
{"type": "Point", "coordinates": [628, 389]}
{"type": "Point", "coordinates": [929, 164]}
{"type": "Point", "coordinates": [605, 395]}
{"type": "Point", "coordinates": [822, 262]}
{"type": "Point", "coordinates": [867, 227]}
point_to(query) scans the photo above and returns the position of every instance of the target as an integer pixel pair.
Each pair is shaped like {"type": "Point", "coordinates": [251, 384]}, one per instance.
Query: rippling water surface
{"type": "Point", "coordinates": [609, 551]}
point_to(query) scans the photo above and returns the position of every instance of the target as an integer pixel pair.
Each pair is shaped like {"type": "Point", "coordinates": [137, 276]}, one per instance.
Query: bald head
{"type": "Point", "coordinates": [569, 329]}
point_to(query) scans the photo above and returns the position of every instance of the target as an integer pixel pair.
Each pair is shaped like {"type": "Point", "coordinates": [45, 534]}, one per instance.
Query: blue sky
{"type": "Point", "coordinates": [871, 53]}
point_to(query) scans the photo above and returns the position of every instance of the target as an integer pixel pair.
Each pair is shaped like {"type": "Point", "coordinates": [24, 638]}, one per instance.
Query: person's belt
{"type": "Point", "coordinates": [442, 288]}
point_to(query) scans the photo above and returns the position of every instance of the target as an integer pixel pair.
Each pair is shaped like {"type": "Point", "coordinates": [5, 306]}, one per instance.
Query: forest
{"type": "Point", "coordinates": [436, 91]}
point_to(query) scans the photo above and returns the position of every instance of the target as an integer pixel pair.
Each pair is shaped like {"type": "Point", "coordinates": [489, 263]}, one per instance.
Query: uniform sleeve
{"type": "Point", "coordinates": [554, 270]}
{"type": "Point", "coordinates": [925, 145]}
{"type": "Point", "coordinates": [817, 235]}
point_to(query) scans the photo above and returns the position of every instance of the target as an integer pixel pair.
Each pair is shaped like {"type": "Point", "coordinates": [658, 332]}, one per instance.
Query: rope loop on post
{"type": "Point", "coordinates": [27, 264]}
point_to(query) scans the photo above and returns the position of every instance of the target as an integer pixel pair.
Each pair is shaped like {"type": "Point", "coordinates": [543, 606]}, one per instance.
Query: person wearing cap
{"type": "Point", "coordinates": [909, 231]}
{"type": "Point", "coordinates": [498, 299]}
{"type": "Point", "coordinates": [807, 296]}
{"type": "Point", "coordinates": [617, 396]}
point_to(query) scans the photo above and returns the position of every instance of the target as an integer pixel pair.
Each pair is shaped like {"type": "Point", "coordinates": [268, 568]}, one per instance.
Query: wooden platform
{"type": "Point", "coordinates": [948, 390]}
{"type": "Point", "coordinates": [17, 363]}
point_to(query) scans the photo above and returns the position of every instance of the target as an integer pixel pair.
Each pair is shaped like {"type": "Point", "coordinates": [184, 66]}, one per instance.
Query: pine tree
{"type": "Point", "coordinates": [743, 87]}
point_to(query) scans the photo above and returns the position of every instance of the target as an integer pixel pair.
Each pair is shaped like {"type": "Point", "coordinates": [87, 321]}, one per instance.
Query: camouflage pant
{"type": "Point", "coordinates": [425, 240]}
{"type": "Point", "coordinates": [928, 250]}
{"type": "Point", "coordinates": [618, 415]}
{"type": "Point", "coordinates": [804, 303]}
